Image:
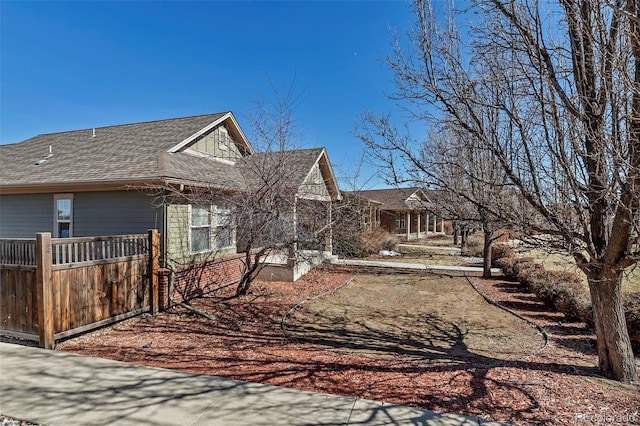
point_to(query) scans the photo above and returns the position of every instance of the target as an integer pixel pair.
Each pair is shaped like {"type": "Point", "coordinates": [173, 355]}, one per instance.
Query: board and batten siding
{"type": "Point", "coordinates": [21, 216]}
{"type": "Point", "coordinates": [178, 233]}
{"type": "Point", "coordinates": [218, 143]}
{"type": "Point", "coordinates": [94, 214]}
{"type": "Point", "coordinates": [114, 213]}
{"type": "Point", "coordinates": [315, 185]}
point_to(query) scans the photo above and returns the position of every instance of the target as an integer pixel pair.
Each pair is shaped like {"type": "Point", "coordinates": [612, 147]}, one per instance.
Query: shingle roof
{"type": "Point", "coordinates": [188, 168]}
{"type": "Point", "coordinates": [286, 168]}
{"type": "Point", "coordinates": [115, 153]}
{"type": "Point", "coordinates": [396, 198]}
{"type": "Point", "coordinates": [292, 166]}
{"type": "Point", "coordinates": [141, 152]}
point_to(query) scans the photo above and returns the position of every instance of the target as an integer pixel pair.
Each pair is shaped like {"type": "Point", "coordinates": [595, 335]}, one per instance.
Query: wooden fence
{"type": "Point", "coordinates": [56, 288]}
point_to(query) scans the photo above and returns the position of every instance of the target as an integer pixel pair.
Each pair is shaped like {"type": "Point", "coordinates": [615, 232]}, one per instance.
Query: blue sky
{"type": "Point", "coordinates": [77, 65]}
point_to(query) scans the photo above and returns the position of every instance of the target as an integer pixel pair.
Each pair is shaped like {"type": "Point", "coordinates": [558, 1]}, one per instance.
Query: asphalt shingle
{"type": "Point", "coordinates": [115, 153]}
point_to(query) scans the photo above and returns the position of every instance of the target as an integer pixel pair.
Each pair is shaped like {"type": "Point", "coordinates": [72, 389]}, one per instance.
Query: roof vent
{"type": "Point", "coordinates": [44, 160]}
{"type": "Point", "coordinates": [93, 135]}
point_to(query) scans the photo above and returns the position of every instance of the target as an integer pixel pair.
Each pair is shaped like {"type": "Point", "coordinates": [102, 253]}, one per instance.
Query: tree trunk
{"type": "Point", "coordinates": [615, 356]}
{"type": "Point", "coordinates": [455, 234]}
{"type": "Point", "coordinates": [486, 261]}
{"type": "Point", "coordinates": [463, 237]}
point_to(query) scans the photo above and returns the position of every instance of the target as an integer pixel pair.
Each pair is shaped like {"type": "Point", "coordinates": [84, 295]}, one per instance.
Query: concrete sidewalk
{"type": "Point", "coordinates": [448, 249]}
{"type": "Point", "coordinates": [415, 266]}
{"type": "Point", "coordinates": [57, 388]}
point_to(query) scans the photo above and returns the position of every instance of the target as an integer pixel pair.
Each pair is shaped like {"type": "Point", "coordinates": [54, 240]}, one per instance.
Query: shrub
{"type": "Point", "coordinates": [501, 251]}
{"type": "Point", "coordinates": [434, 237]}
{"type": "Point", "coordinates": [506, 264]}
{"type": "Point", "coordinates": [566, 293]}
{"type": "Point", "coordinates": [349, 246]}
{"type": "Point", "coordinates": [448, 228]}
{"type": "Point", "coordinates": [533, 280]}
{"type": "Point", "coordinates": [571, 297]}
{"type": "Point", "coordinates": [362, 244]}
{"type": "Point", "coordinates": [379, 239]}
{"type": "Point", "coordinates": [474, 246]}
{"type": "Point", "coordinates": [562, 291]}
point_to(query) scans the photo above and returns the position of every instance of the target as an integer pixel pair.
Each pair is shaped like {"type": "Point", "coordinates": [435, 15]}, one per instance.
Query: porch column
{"type": "Point", "coordinates": [426, 224]}
{"type": "Point", "coordinates": [328, 242]}
{"type": "Point", "coordinates": [291, 261]}
{"type": "Point", "coordinates": [372, 217]}
{"type": "Point", "coordinates": [442, 225]}
{"type": "Point", "coordinates": [435, 223]}
{"type": "Point", "coordinates": [408, 224]}
{"type": "Point", "coordinates": [419, 214]}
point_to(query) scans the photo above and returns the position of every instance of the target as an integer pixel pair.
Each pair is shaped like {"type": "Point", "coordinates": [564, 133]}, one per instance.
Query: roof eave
{"type": "Point", "coordinates": [79, 186]}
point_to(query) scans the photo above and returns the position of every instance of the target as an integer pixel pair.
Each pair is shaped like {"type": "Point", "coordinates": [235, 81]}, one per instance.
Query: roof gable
{"type": "Point", "coordinates": [291, 169]}
{"type": "Point", "coordinates": [230, 123]}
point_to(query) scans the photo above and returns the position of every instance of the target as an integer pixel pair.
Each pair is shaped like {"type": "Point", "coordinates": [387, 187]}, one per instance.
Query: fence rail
{"type": "Point", "coordinates": [18, 252]}
{"type": "Point", "coordinates": [73, 250]}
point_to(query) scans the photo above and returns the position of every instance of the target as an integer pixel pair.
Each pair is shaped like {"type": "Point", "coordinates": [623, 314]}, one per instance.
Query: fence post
{"type": "Point", "coordinates": [154, 265]}
{"type": "Point", "coordinates": [44, 263]}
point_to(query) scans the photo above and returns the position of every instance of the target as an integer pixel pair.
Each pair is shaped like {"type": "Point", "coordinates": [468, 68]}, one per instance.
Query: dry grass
{"type": "Point", "coordinates": [385, 316]}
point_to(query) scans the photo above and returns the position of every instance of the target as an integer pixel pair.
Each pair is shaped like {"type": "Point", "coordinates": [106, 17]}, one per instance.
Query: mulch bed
{"type": "Point", "coordinates": [557, 385]}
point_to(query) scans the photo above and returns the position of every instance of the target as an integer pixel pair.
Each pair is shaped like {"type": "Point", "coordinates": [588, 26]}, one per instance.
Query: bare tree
{"type": "Point", "coordinates": [269, 205]}
{"type": "Point", "coordinates": [471, 187]}
{"type": "Point", "coordinates": [560, 82]}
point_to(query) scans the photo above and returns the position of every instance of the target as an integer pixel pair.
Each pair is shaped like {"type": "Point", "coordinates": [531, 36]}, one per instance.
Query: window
{"type": "Point", "coordinates": [200, 229]}
{"type": "Point", "coordinates": [211, 227]}
{"type": "Point", "coordinates": [63, 215]}
{"type": "Point", "coordinates": [400, 221]}
{"type": "Point", "coordinates": [224, 228]}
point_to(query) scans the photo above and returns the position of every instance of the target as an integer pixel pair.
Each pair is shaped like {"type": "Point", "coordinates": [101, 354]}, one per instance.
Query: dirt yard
{"type": "Point", "coordinates": [426, 341]}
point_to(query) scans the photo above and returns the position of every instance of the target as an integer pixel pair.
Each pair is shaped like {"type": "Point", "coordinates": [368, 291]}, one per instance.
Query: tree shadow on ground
{"type": "Point", "coordinates": [335, 355]}
{"type": "Point", "coordinates": [59, 388]}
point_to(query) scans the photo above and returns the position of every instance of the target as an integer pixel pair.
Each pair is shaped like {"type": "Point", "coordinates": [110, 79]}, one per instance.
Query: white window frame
{"type": "Point", "coordinates": [213, 228]}
{"type": "Point", "coordinates": [232, 231]}
{"type": "Point", "coordinates": [210, 226]}
{"type": "Point", "coordinates": [56, 220]}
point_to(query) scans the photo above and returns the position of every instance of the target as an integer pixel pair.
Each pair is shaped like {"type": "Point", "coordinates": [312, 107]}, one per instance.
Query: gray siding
{"type": "Point", "coordinates": [114, 213]}
{"type": "Point", "coordinates": [21, 216]}
{"type": "Point", "coordinates": [94, 214]}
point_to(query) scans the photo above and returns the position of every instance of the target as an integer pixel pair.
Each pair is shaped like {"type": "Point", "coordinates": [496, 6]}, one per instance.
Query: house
{"type": "Point", "coordinates": [98, 181]}
{"type": "Point", "coordinates": [408, 213]}
{"type": "Point", "coordinates": [359, 213]}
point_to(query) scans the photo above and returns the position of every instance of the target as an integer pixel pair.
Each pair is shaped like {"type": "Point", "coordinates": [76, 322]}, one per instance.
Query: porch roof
{"type": "Point", "coordinates": [399, 199]}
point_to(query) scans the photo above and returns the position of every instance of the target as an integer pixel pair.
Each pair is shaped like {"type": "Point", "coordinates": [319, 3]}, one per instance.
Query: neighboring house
{"type": "Point", "coordinates": [92, 182]}
{"type": "Point", "coordinates": [358, 212]}
{"type": "Point", "coordinates": [405, 212]}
